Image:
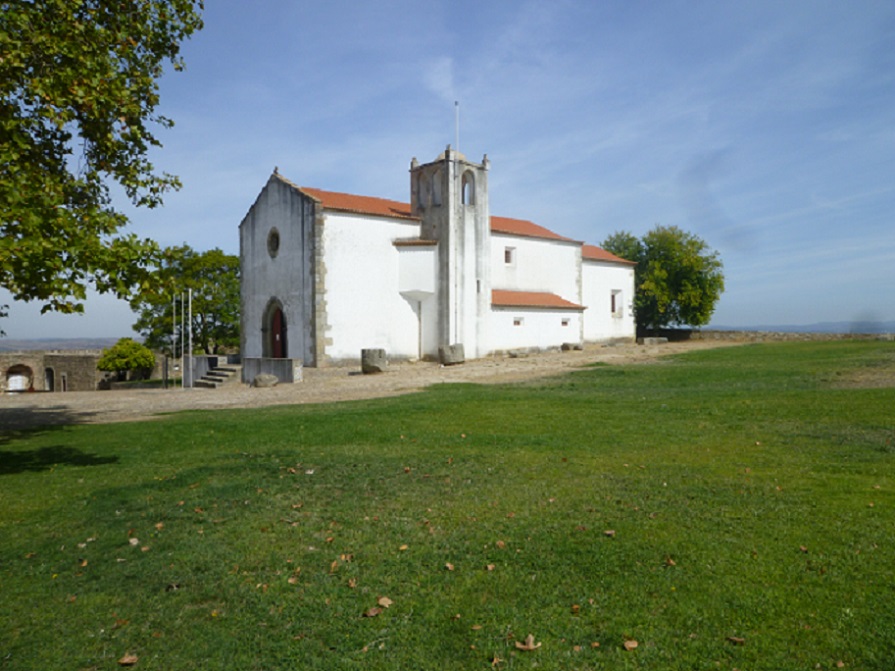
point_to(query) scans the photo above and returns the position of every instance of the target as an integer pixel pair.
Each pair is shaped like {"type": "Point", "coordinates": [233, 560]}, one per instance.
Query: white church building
{"type": "Point", "coordinates": [325, 275]}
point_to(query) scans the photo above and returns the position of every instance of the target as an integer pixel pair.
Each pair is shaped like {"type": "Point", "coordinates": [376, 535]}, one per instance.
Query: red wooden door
{"type": "Point", "coordinates": [278, 335]}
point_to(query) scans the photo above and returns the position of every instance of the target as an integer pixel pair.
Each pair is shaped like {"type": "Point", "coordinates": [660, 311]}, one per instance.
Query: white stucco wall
{"type": "Point", "coordinates": [364, 306]}
{"type": "Point", "coordinates": [539, 265]}
{"type": "Point", "coordinates": [417, 280]}
{"type": "Point", "coordinates": [539, 329]}
{"type": "Point", "coordinates": [599, 281]}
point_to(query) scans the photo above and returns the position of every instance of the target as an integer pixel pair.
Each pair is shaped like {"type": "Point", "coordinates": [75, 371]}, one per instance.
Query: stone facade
{"type": "Point", "coordinates": [62, 370]}
{"type": "Point", "coordinates": [51, 371]}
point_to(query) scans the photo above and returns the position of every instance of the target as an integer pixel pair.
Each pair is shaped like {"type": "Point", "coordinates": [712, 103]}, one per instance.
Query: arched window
{"type": "Point", "coordinates": [436, 187]}
{"type": "Point", "coordinates": [425, 196]}
{"type": "Point", "coordinates": [468, 194]}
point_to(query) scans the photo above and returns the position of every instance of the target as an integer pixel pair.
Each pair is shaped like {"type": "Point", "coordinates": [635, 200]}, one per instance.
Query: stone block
{"type": "Point", "coordinates": [373, 361]}
{"type": "Point", "coordinates": [652, 341]}
{"type": "Point", "coordinates": [265, 380]}
{"type": "Point", "coordinates": [452, 354]}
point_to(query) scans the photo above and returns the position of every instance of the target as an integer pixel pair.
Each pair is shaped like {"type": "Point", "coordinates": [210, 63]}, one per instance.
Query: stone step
{"type": "Point", "coordinates": [220, 376]}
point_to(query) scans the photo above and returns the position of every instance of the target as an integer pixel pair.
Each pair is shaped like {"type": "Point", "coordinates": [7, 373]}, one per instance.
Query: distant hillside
{"type": "Point", "coordinates": [820, 327]}
{"type": "Point", "coordinates": [8, 345]}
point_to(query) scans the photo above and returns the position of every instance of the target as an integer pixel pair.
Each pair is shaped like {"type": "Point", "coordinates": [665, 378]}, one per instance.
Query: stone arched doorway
{"type": "Point", "coordinates": [49, 379]}
{"type": "Point", "coordinates": [19, 378]}
{"type": "Point", "coordinates": [276, 342]}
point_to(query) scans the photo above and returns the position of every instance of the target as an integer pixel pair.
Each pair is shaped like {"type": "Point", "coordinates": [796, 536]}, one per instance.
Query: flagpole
{"type": "Point", "coordinates": [457, 124]}
{"type": "Point", "coordinates": [191, 337]}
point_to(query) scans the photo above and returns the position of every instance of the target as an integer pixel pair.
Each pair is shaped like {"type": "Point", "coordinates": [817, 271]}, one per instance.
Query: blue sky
{"type": "Point", "coordinates": [766, 128]}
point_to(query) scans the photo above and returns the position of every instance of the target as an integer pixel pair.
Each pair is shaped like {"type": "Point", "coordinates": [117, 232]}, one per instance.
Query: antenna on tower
{"type": "Point", "coordinates": [457, 125]}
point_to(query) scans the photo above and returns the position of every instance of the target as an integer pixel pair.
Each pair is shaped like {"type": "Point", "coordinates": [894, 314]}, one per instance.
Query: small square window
{"type": "Point", "coordinates": [517, 321]}
{"type": "Point", "coordinates": [566, 321]}
{"type": "Point", "coordinates": [615, 306]}
{"type": "Point", "coordinates": [509, 255]}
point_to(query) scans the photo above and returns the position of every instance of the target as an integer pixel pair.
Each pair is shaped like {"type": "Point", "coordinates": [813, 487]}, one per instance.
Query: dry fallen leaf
{"type": "Point", "coordinates": [501, 545]}
{"type": "Point", "coordinates": [352, 582]}
{"type": "Point", "coordinates": [528, 643]}
{"type": "Point", "coordinates": [496, 661]}
{"type": "Point", "coordinates": [134, 541]}
{"type": "Point", "coordinates": [128, 660]}
{"type": "Point", "coordinates": [449, 566]}
{"type": "Point", "coordinates": [490, 567]}
{"type": "Point", "coordinates": [334, 566]}
{"type": "Point", "coordinates": [385, 602]}
{"type": "Point", "coordinates": [610, 533]}
{"type": "Point", "coordinates": [372, 612]}
{"type": "Point", "coordinates": [576, 609]}
{"type": "Point", "coordinates": [403, 548]}
{"type": "Point", "coordinates": [630, 644]}
{"type": "Point", "coordinates": [670, 562]}
{"type": "Point", "coordinates": [736, 640]}
{"type": "Point", "coordinates": [476, 627]}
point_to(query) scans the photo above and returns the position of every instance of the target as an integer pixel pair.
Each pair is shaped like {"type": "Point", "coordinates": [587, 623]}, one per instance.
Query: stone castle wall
{"type": "Point", "coordinates": [50, 371]}
{"type": "Point", "coordinates": [780, 336]}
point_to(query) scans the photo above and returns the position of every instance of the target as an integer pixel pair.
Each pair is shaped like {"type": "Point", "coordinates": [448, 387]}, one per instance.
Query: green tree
{"type": "Point", "coordinates": [678, 279]}
{"type": "Point", "coordinates": [78, 97]}
{"type": "Point", "coordinates": [125, 356]}
{"type": "Point", "coordinates": [214, 279]}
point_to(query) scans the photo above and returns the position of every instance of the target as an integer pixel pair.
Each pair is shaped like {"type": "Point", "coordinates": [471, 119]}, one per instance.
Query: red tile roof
{"type": "Point", "coordinates": [594, 253]}
{"type": "Point", "coordinates": [525, 228]}
{"type": "Point", "coordinates": [531, 299]}
{"type": "Point", "coordinates": [346, 202]}
{"type": "Point", "coordinates": [382, 207]}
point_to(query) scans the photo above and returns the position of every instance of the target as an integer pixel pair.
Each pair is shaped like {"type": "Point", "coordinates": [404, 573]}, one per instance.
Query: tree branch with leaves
{"type": "Point", "coordinates": [78, 98]}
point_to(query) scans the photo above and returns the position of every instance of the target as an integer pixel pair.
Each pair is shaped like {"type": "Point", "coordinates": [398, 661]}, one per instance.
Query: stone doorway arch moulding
{"type": "Point", "coordinates": [274, 331]}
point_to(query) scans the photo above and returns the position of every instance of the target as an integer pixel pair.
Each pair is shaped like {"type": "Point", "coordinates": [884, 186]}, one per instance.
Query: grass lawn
{"type": "Point", "coordinates": [727, 509]}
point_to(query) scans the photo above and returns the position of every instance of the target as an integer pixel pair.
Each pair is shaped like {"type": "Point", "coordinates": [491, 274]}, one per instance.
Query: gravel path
{"type": "Point", "coordinates": [325, 385]}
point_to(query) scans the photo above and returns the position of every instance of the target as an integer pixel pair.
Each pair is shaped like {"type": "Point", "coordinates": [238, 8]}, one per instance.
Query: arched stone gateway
{"type": "Point", "coordinates": [19, 378]}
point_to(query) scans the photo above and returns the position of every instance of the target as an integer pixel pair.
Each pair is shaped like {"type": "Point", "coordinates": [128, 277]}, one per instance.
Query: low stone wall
{"type": "Point", "coordinates": [779, 336]}
{"type": "Point", "coordinates": [286, 370]}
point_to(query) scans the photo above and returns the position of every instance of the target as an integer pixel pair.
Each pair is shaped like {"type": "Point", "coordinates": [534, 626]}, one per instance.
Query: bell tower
{"type": "Point", "coordinates": [450, 195]}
